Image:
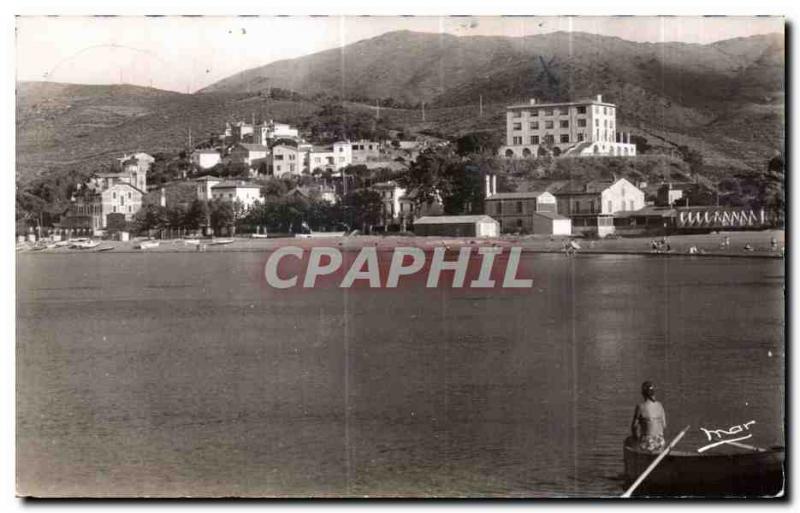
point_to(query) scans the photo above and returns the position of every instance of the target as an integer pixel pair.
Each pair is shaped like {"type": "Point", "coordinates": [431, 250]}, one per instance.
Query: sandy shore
{"type": "Point", "coordinates": [706, 244]}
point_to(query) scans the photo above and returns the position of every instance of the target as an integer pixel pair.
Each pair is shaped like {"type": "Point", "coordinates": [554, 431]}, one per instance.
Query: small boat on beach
{"type": "Point", "coordinates": [105, 248]}
{"type": "Point", "coordinates": [84, 244]}
{"type": "Point", "coordinates": [218, 242]}
{"type": "Point", "coordinates": [191, 242]}
{"type": "Point", "coordinates": [147, 244]}
{"type": "Point", "coordinates": [750, 471]}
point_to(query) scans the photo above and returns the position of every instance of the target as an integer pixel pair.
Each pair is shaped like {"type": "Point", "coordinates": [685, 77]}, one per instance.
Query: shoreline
{"type": "Point", "coordinates": [708, 245]}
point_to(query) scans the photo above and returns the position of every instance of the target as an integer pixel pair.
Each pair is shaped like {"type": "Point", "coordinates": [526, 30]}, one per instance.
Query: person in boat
{"type": "Point", "coordinates": [649, 420]}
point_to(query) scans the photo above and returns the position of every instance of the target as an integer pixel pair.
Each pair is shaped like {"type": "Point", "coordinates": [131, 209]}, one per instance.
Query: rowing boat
{"type": "Point", "coordinates": [147, 244]}
{"type": "Point", "coordinates": [750, 471]}
{"type": "Point", "coordinates": [218, 242]}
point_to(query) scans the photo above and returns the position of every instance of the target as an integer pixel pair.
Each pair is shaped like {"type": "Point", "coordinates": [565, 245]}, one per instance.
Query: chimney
{"type": "Point", "coordinates": [599, 98]}
{"type": "Point", "coordinates": [163, 199]}
{"type": "Point", "coordinates": [532, 101]}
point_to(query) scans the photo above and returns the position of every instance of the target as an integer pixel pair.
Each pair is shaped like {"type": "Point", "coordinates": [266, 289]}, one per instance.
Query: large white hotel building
{"type": "Point", "coordinates": [580, 128]}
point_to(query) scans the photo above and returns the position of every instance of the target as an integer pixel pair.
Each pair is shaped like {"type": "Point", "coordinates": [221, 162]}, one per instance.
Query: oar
{"type": "Point", "coordinates": [655, 462]}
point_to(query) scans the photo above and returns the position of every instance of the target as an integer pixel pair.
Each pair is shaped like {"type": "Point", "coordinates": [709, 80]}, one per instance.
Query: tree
{"type": "Point", "coordinates": [773, 192]}
{"type": "Point", "coordinates": [478, 142]}
{"type": "Point", "coordinates": [641, 143]}
{"type": "Point", "coordinates": [692, 157]}
{"type": "Point", "coordinates": [221, 214]}
{"type": "Point", "coordinates": [198, 215]}
{"type": "Point", "coordinates": [150, 217]}
{"type": "Point", "coordinates": [362, 208]}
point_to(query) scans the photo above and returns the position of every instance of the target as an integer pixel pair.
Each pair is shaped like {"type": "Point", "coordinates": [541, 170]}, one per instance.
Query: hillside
{"type": "Point", "coordinates": [725, 98]}
{"type": "Point", "coordinates": [76, 126]}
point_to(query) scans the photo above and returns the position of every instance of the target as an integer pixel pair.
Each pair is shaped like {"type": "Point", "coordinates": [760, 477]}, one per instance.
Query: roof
{"type": "Point", "coordinates": [591, 187]}
{"type": "Point", "coordinates": [284, 145]}
{"type": "Point", "coordinates": [391, 184]}
{"type": "Point", "coordinates": [236, 185]}
{"type": "Point", "coordinates": [588, 101]}
{"type": "Point", "coordinates": [550, 215]}
{"type": "Point", "coordinates": [253, 147]}
{"type": "Point", "coordinates": [206, 150]}
{"type": "Point", "coordinates": [649, 211]}
{"type": "Point", "coordinates": [207, 178]}
{"type": "Point", "coordinates": [454, 219]}
{"type": "Point", "coordinates": [321, 149]}
{"type": "Point", "coordinates": [516, 195]}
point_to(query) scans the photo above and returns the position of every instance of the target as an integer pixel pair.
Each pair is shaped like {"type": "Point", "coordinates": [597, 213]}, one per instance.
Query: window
{"type": "Point", "coordinates": [292, 156]}
{"type": "Point", "coordinates": [278, 157]}
{"type": "Point", "coordinates": [580, 137]}
{"type": "Point", "coordinates": [341, 149]}
{"type": "Point", "coordinates": [548, 138]}
{"type": "Point", "coordinates": [605, 123]}
{"type": "Point", "coordinates": [534, 139]}
{"type": "Point", "coordinates": [517, 126]}
{"type": "Point", "coordinates": [548, 124]}
{"type": "Point", "coordinates": [564, 138]}
{"type": "Point", "coordinates": [548, 112]}
{"type": "Point", "coordinates": [535, 113]}
{"type": "Point", "coordinates": [610, 205]}
{"type": "Point", "coordinates": [605, 111]}
{"type": "Point", "coordinates": [114, 208]}
{"type": "Point", "coordinates": [114, 195]}
{"type": "Point", "coordinates": [517, 140]}
{"type": "Point", "coordinates": [535, 125]}
{"type": "Point", "coordinates": [564, 111]}
{"type": "Point", "coordinates": [596, 123]}
{"type": "Point", "coordinates": [121, 199]}
{"type": "Point", "coordinates": [519, 207]}
{"type": "Point", "coordinates": [291, 167]}
{"type": "Point", "coordinates": [630, 203]}
{"type": "Point", "coordinates": [564, 123]}
{"type": "Point", "coordinates": [519, 223]}
{"type": "Point", "coordinates": [581, 122]}
{"type": "Point", "coordinates": [129, 195]}
{"type": "Point", "coordinates": [582, 110]}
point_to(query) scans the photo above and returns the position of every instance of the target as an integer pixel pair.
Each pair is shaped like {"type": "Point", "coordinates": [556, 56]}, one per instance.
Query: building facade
{"type": "Point", "coordinates": [118, 193]}
{"type": "Point", "coordinates": [580, 128]}
{"type": "Point", "coordinates": [204, 185]}
{"type": "Point", "coordinates": [206, 159]}
{"type": "Point", "coordinates": [248, 154]}
{"type": "Point", "coordinates": [592, 205]}
{"type": "Point", "coordinates": [527, 212]}
{"type": "Point", "coordinates": [457, 226]}
{"type": "Point", "coordinates": [247, 194]}
{"type": "Point", "coordinates": [363, 151]}
{"type": "Point", "coordinates": [390, 193]}
{"type": "Point", "coordinates": [285, 159]}
{"type": "Point", "coordinates": [268, 131]}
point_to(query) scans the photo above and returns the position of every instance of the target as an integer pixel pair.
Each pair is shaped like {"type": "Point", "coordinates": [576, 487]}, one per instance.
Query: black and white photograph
{"type": "Point", "coordinates": [428, 257]}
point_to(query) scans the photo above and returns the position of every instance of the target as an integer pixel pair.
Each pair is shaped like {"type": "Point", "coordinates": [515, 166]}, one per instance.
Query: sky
{"type": "Point", "coordinates": [184, 54]}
